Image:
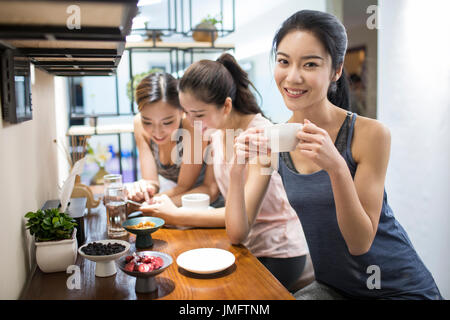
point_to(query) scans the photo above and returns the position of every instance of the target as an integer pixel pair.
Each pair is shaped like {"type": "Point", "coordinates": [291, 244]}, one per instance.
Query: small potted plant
{"type": "Point", "coordinates": [201, 32]}
{"type": "Point", "coordinates": [55, 238]}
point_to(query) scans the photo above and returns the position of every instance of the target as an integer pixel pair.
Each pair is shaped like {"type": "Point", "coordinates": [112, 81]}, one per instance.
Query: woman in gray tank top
{"type": "Point", "coordinates": [159, 129]}
{"type": "Point", "coordinates": [334, 179]}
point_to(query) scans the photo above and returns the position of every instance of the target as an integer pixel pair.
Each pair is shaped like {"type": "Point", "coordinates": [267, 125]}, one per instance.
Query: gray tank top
{"type": "Point", "coordinates": [402, 273]}
{"type": "Point", "coordinates": [172, 171]}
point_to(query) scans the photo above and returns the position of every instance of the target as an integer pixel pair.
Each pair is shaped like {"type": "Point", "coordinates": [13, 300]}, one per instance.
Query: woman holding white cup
{"type": "Point", "coordinates": [335, 177]}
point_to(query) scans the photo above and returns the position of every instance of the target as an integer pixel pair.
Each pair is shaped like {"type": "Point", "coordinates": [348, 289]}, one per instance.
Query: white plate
{"type": "Point", "coordinates": [205, 260]}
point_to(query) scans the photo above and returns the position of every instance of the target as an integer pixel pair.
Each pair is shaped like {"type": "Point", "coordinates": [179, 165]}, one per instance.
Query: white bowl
{"type": "Point", "coordinates": [283, 136]}
{"type": "Point", "coordinates": [195, 201]}
{"type": "Point", "coordinates": [104, 265]}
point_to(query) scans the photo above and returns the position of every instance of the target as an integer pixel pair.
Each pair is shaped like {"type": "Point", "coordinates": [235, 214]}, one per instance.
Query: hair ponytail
{"type": "Point", "coordinates": [214, 81]}
{"type": "Point", "coordinates": [339, 92]}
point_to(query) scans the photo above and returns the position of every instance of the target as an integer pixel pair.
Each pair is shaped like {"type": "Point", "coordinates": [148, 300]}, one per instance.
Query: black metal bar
{"type": "Point", "coordinates": [8, 31]}
{"type": "Point", "coordinates": [169, 21]}
{"type": "Point", "coordinates": [71, 97]}
{"type": "Point", "coordinates": [134, 155]}
{"type": "Point", "coordinates": [182, 16]}
{"type": "Point", "coordinates": [120, 153]}
{"type": "Point", "coordinates": [69, 53]}
{"type": "Point", "coordinates": [234, 16]}
{"type": "Point", "coordinates": [75, 63]}
{"type": "Point", "coordinates": [176, 15]}
{"type": "Point", "coordinates": [177, 62]}
{"type": "Point", "coordinates": [106, 71]}
{"type": "Point", "coordinates": [221, 17]}
{"type": "Point", "coordinates": [171, 62]}
{"type": "Point", "coordinates": [117, 95]}
{"type": "Point", "coordinates": [80, 74]}
{"type": "Point", "coordinates": [95, 125]}
{"type": "Point", "coordinates": [190, 14]}
{"type": "Point", "coordinates": [130, 63]}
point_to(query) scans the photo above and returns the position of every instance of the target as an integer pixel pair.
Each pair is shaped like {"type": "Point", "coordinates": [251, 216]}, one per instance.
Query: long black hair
{"type": "Point", "coordinates": [213, 81]}
{"type": "Point", "coordinates": [331, 33]}
{"type": "Point", "coordinates": [155, 87]}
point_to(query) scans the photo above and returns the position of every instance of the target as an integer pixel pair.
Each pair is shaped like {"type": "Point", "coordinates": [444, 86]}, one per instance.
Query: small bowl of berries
{"type": "Point", "coordinates": [104, 253]}
{"type": "Point", "coordinates": [145, 265]}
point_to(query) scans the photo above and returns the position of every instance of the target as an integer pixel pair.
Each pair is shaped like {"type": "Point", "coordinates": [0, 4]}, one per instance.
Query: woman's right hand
{"type": "Point", "coordinates": [142, 190]}
{"type": "Point", "coordinates": [250, 144]}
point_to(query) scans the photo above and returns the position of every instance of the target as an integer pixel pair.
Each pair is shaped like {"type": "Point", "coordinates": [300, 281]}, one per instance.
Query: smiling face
{"type": "Point", "coordinates": [160, 120]}
{"type": "Point", "coordinates": [303, 70]}
{"type": "Point", "coordinates": [209, 115]}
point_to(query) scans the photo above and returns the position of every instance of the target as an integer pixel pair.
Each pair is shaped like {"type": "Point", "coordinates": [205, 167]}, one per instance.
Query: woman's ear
{"type": "Point", "coordinates": [338, 73]}
{"type": "Point", "coordinates": [228, 105]}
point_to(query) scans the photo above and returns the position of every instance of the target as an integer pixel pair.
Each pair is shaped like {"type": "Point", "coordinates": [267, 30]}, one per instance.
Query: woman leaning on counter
{"type": "Point", "coordinates": [160, 128]}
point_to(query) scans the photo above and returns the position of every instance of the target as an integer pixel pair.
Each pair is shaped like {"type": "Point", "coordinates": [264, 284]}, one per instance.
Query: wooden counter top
{"type": "Point", "coordinates": [247, 279]}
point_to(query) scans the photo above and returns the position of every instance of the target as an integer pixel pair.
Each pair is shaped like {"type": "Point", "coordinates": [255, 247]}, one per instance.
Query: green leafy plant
{"type": "Point", "coordinates": [50, 224]}
{"type": "Point", "coordinates": [212, 20]}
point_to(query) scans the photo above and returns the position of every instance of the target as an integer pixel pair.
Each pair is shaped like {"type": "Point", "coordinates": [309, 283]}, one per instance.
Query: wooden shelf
{"type": "Point", "coordinates": [38, 29]}
{"type": "Point", "coordinates": [179, 45]}
{"type": "Point", "coordinates": [101, 129]}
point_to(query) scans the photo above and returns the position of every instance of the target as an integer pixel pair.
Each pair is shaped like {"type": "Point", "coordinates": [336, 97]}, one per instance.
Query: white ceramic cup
{"type": "Point", "coordinates": [195, 201]}
{"type": "Point", "coordinates": [283, 136]}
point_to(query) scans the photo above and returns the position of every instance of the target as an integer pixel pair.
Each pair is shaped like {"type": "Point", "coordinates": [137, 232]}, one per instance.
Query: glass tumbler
{"type": "Point", "coordinates": [112, 180]}
{"type": "Point", "coordinates": [116, 206]}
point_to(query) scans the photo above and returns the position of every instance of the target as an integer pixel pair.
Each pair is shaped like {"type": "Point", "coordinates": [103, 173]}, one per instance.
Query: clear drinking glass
{"type": "Point", "coordinates": [116, 206]}
{"type": "Point", "coordinates": [112, 180]}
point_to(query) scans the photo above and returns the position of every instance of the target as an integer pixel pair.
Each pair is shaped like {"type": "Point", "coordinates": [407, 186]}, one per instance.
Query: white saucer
{"type": "Point", "coordinates": [205, 260]}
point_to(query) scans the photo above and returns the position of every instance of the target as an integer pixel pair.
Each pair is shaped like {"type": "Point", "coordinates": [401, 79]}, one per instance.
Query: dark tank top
{"type": "Point", "coordinates": [391, 269]}
{"type": "Point", "coordinates": [172, 171]}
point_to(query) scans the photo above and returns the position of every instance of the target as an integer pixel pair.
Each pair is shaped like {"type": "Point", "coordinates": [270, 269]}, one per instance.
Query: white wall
{"type": "Point", "coordinates": [28, 177]}
{"type": "Point", "coordinates": [61, 127]}
{"type": "Point", "coordinates": [413, 101]}
{"type": "Point", "coordinates": [355, 18]}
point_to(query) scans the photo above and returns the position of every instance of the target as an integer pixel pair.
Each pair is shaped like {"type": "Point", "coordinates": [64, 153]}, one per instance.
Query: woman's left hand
{"type": "Point", "coordinates": [316, 144]}
{"type": "Point", "coordinates": [161, 207]}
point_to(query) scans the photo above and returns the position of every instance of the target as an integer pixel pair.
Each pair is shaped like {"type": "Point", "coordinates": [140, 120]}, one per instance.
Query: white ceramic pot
{"type": "Point", "coordinates": [56, 256]}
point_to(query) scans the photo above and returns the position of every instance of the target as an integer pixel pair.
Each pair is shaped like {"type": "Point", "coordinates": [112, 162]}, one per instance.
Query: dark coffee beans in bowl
{"type": "Point", "coordinates": [100, 249]}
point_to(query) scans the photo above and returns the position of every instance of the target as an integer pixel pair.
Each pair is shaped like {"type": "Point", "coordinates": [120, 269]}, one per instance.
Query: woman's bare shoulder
{"type": "Point", "coordinates": [370, 137]}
